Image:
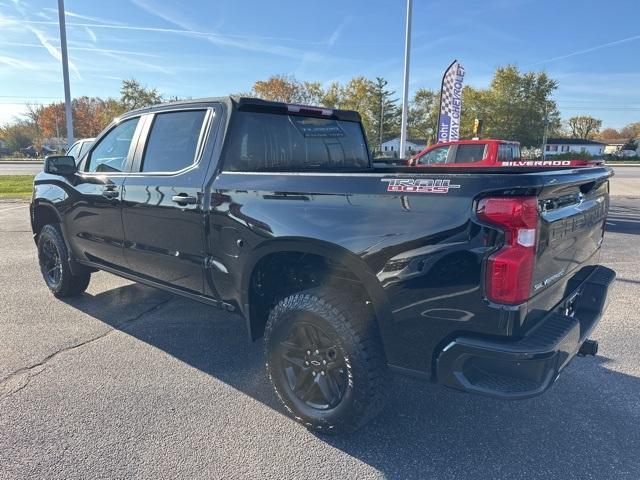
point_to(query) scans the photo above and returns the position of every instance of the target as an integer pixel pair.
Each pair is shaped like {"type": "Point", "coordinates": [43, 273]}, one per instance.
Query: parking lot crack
{"type": "Point", "coordinates": [20, 379]}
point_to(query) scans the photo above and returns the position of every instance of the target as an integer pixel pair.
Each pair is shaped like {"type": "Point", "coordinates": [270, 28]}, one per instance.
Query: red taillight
{"type": "Point", "coordinates": [509, 270]}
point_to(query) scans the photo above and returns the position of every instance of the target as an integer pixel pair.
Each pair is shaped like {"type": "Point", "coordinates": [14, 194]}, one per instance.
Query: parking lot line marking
{"type": "Point", "coordinates": [12, 208]}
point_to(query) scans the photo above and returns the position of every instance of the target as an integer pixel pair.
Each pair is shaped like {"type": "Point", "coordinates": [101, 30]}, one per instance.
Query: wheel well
{"type": "Point", "coordinates": [281, 274]}
{"type": "Point", "coordinates": [42, 216]}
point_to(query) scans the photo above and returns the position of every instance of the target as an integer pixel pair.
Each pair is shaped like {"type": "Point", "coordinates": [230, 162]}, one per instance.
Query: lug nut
{"type": "Point", "coordinates": [317, 352]}
{"type": "Point", "coordinates": [308, 352]}
{"type": "Point", "coordinates": [322, 372]}
{"type": "Point", "coordinates": [324, 362]}
{"type": "Point", "coordinates": [307, 362]}
{"type": "Point", "coordinates": [314, 374]}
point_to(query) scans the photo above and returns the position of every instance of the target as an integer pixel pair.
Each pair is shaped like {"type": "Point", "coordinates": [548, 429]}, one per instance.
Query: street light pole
{"type": "Point", "coordinates": [405, 87]}
{"type": "Point", "coordinates": [65, 73]}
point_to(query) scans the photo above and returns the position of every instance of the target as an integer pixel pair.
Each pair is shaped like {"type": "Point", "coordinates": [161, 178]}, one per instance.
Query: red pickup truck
{"type": "Point", "coordinates": [485, 153]}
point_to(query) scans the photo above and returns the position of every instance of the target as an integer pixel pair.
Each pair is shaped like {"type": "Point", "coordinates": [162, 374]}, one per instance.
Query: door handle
{"type": "Point", "coordinates": [111, 193]}
{"type": "Point", "coordinates": [184, 199]}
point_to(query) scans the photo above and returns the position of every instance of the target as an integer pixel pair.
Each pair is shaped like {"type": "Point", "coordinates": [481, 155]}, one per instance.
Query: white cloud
{"type": "Point", "coordinates": [9, 112]}
{"type": "Point", "coordinates": [53, 51]}
{"type": "Point", "coordinates": [589, 50]}
{"type": "Point", "coordinates": [91, 34]}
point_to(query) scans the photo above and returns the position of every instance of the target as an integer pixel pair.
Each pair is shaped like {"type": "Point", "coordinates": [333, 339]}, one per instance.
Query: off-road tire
{"type": "Point", "coordinates": [64, 283]}
{"type": "Point", "coordinates": [352, 326]}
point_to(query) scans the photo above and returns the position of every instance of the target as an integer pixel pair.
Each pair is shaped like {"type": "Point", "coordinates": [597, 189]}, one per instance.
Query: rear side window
{"type": "Point", "coordinates": [173, 141]}
{"type": "Point", "coordinates": [509, 152]}
{"type": "Point", "coordinates": [268, 141]}
{"type": "Point", "coordinates": [504, 153]}
{"type": "Point", "coordinates": [469, 153]}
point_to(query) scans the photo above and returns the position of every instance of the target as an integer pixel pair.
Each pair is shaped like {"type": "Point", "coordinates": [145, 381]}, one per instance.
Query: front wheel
{"type": "Point", "coordinates": [325, 360]}
{"type": "Point", "coordinates": [54, 264]}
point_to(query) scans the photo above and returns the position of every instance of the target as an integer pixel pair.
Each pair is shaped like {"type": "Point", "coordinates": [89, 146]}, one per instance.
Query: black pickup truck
{"type": "Point", "coordinates": [483, 280]}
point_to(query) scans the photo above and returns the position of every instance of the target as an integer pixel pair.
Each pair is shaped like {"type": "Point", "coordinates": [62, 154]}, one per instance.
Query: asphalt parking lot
{"type": "Point", "coordinates": [128, 382]}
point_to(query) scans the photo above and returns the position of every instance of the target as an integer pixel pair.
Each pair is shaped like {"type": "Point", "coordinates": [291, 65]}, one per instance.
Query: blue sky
{"type": "Point", "coordinates": [209, 48]}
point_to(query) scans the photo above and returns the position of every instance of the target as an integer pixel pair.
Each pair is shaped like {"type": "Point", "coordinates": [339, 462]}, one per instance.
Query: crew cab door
{"type": "Point", "coordinates": [163, 214]}
{"type": "Point", "coordinates": [93, 222]}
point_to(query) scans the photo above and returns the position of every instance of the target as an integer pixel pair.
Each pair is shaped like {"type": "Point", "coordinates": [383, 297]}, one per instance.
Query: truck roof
{"type": "Point", "coordinates": [476, 141]}
{"type": "Point", "coordinates": [233, 102]}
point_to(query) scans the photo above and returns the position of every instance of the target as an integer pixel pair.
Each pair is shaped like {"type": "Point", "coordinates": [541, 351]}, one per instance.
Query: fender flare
{"type": "Point", "coordinates": [336, 253]}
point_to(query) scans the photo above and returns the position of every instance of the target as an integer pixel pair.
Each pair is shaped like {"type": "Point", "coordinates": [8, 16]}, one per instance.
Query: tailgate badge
{"type": "Point", "coordinates": [407, 185]}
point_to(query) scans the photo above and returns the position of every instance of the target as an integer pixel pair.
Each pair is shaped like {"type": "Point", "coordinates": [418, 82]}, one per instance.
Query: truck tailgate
{"type": "Point", "coordinates": [572, 220]}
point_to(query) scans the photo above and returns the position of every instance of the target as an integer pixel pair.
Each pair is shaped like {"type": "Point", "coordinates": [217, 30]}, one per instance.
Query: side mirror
{"type": "Point", "coordinates": [60, 165]}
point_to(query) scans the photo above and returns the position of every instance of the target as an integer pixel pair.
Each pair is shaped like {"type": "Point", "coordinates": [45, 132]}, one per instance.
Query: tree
{"type": "Point", "coordinates": [609, 133]}
{"type": "Point", "coordinates": [631, 131]}
{"type": "Point", "coordinates": [516, 106]}
{"type": "Point", "coordinates": [90, 116]}
{"type": "Point", "coordinates": [359, 94]}
{"type": "Point", "coordinates": [133, 95]}
{"type": "Point", "coordinates": [423, 114]}
{"type": "Point", "coordinates": [584, 127]}
{"type": "Point", "coordinates": [20, 134]}
{"type": "Point", "coordinates": [278, 88]}
{"type": "Point", "coordinates": [385, 114]}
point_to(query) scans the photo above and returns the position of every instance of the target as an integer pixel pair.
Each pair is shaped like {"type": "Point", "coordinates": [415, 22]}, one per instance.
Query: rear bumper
{"type": "Point", "coordinates": [514, 369]}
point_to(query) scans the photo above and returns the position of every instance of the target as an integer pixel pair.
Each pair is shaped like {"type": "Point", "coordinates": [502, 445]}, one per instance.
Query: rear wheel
{"type": "Point", "coordinates": [325, 360]}
{"type": "Point", "coordinates": [54, 264]}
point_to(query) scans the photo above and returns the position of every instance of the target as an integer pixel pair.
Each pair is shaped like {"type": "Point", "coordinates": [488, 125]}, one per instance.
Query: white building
{"type": "Point", "coordinates": [391, 147]}
{"type": "Point", "coordinates": [557, 146]}
{"type": "Point", "coordinates": [614, 145]}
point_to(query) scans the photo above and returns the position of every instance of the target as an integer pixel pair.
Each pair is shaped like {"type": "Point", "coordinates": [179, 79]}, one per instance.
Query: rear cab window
{"type": "Point", "coordinates": [470, 153]}
{"type": "Point", "coordinates": [261, 141]}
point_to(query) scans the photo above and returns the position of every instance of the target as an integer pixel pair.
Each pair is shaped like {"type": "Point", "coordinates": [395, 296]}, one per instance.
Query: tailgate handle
{"type": "Point", "coordinates": [587, 187]}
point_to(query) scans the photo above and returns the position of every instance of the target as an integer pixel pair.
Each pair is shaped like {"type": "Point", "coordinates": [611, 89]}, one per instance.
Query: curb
{"type": "Point", "coordinates": [21, 162]}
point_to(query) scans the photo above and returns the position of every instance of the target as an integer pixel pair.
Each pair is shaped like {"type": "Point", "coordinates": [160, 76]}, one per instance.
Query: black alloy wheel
{"type": "Point", "coordinates": [314, 367]}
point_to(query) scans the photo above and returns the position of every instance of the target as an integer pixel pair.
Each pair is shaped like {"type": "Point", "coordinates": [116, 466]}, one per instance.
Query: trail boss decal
{"type": "Point", "coordinates": [405, 185]}
{"type": "Point", "coordinates": [537, 163]}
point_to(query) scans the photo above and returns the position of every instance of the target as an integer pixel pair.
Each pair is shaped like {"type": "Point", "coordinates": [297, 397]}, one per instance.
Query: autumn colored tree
{"type": "Point", "coordinates": [90, 116]}
{"type": "Point", "coordinates": [609, 133]}
{"type": "Point", "coordinates": [278, 88]}
{"type": "Point", "coordinates": [631, 131]}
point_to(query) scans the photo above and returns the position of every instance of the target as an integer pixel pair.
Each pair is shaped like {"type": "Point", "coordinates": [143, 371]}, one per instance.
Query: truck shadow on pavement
{"type": "Point", "coordinates": [586, 426]}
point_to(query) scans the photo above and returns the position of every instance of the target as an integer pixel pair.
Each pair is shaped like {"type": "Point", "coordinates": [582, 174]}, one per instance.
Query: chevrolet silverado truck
{"type": "Point", "coordinates": [482, 280]}
{"type": "Point", "coordinates": [487, 153]}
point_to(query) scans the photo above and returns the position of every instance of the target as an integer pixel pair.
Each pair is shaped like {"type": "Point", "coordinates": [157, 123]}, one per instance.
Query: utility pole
{"type": "Point", "coordinates": [405, 87]}
{"type": "Point", "coordinates": [65, 73]}
{"type": "Point", "coordinates": [544, 135]}
{"type": "Point", "coordinates": [381, 128]}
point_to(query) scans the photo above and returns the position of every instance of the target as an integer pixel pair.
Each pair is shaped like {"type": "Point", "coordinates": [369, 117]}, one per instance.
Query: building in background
{"type": "Point", "coordinates": [558, 146]}
{"type": "Point", "coordinates": [614, 145]}
{"type": "Point", "coordinates": [391, 147]}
